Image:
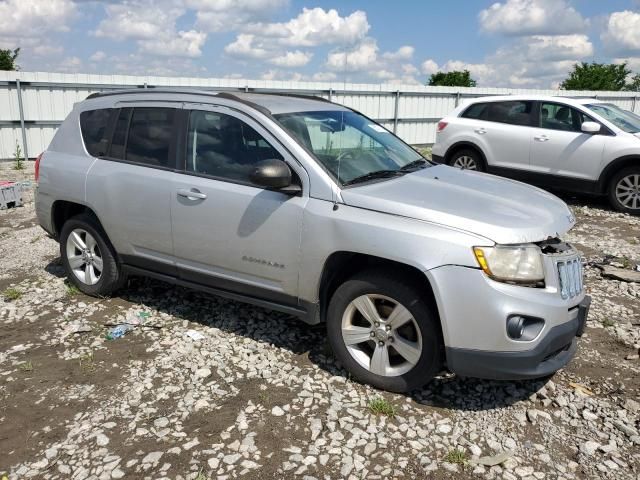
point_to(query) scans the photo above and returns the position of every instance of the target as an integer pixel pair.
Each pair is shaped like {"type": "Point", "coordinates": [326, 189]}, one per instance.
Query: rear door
{"type": "Point", "coordinates": [507, 134]}
{"type": "Point", "coordinates": [229, 233]}
{"type": "Point", "coordinates": [560, 148]}
{"type": "Point", "coordinates": [129, 185]}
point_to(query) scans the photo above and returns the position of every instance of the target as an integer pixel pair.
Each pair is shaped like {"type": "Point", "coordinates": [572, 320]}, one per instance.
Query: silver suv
{"type": "Point", "coordinates": [307, 207]}
{"type": "Point", "coordinates": [580, 145]}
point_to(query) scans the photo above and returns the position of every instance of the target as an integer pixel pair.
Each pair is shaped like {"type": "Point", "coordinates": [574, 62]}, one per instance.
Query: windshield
{"type": "Point", "coordinates": [350, 146]}
{"type": "Point", "coordinates": [622, 119]}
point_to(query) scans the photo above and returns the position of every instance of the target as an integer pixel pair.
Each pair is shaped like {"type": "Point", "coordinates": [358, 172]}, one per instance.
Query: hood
{"type": "Point", "coordinates": [499, 209]}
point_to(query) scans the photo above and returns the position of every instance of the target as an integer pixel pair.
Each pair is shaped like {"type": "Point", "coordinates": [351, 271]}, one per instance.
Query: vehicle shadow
{"type": "Point", "coordinates": [283, 331]}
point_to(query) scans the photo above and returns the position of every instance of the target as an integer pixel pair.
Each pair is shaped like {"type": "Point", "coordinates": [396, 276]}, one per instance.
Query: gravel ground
{"type": "Point", "coordinates": [210, 388]}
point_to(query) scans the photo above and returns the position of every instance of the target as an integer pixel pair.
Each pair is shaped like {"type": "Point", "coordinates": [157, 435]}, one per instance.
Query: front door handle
{"type": "Point", "coordinates": [481, 131]}
{"type": "Point", "coordinates": [193, 194]}
{"type": "Point", "coordinates": [541, 138]}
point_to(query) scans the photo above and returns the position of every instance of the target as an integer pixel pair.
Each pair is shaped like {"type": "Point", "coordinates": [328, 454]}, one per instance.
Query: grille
{"type": "Point", "coordinates": [570, 277]}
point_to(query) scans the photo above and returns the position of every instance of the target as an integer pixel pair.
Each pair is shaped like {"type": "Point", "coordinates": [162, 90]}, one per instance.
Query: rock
{"type": "Point", "coordinates": [200, 404]}
{"type": "Point", "coordinates": [277, 411]}
{"type": "Point", "coordinates": [213, 463]}
{"type": "Point", "coordinates": [231, 458]}
{"type": "Point", "coordinates": [152, 457]}
{"type": "Point", "coordinates": [589, 447]}
{"type": "Point", "coordinates": [117, 473]}
{"type": "Point", "coordinates": [51, 453]}
{"type": "Point", "coordinates": [161, 422]}
{"type": "Point", "coordinates": [203, 373]}
{"type": "Point", "coordinates": [589, 415]}
{"type": "Point", "coordinates": [492, 460]}
{"type": "Point", "coordinates": [102, 440]}
{"type": "Point", "coordinates": [621, 274]}
{"type": "Point", "coordinates": [631, 406]}
{"type": "Point", "coordinates": [445, 428]}
{"type": "Point", "coordinates": [191, 444]}
{"type": "Point", "coordinates": [626, 429]}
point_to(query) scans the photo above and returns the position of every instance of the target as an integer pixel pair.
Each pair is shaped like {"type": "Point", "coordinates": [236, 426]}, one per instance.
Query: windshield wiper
{"type": "Point", "coordinates": [374, 175]}
{"type": "Point", "coordinates": [420, 162]}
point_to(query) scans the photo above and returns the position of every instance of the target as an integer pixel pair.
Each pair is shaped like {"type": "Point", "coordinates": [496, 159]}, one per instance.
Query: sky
{"type": "Point", "coordinates": [509, 43]}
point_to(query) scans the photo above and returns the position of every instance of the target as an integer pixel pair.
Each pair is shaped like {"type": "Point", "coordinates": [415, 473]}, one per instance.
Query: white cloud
{"type": "Point", "coordinates": [29, 17]}
{"type": "Point", "coordinates": [152, 23]}
{"type": "Point", "coordinates": [532, 17]}
{"type": "Point", "coordinates": [429, 67]}
{"type": "Point", "coordinates": [623, 32]}
{"type": "Point", "coordinates": [292, 59]}
{"type": "Point", "coordinates": [314, 27]}
{"type": "Point", "coordinates": [324, 76]}
{"type": "Point", "coordinates": [244, 46]}
{"type": "Point", "coordinates": [98, 56]}
{"type": "Point", "coordinates": [227, 15]}
{"type": "Point", "coordinates": [546, 48]}
{"type": "Point", "coordinates": [362, 57]}
{"type": "Point", "coordinates": [403, 53]}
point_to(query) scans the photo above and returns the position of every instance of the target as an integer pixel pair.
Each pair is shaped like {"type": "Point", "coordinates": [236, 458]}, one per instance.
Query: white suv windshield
{"type": "Point", "coordinates": [351, 146]}
{"type": "Point", "coordinates": [622, 119]}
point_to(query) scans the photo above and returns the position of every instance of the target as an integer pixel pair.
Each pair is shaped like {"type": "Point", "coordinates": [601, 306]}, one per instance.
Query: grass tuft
{"type": "Point", "coordinates": [607, 322]}
{"type": "Point", "coordinates": [71, 289]}
{"type": "Point", "coordinates": [12, 294]}
{"type": "Point", "coordinates": [456, 456]}
{"type": "Point", "coordinates": [26, 366]}
{"type": "Point", "coordinates": [380, 406]}
{"type": "Point", "coordinates": [86, 362]}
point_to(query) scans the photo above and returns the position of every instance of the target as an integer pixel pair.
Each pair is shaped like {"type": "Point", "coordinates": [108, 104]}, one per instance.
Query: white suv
{"type": "Point", "coordinates": [580, 145]}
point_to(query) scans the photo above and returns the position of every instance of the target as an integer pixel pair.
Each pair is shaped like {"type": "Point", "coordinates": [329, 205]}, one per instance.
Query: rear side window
{"type": "Point", "coordinates": [119, 138]}
{"type": "Point", "coordinates": [512, 112]}
{"type": "Point", "coordinates": [476, 111]}
{"type": "Point", "coordinates": [150, 136]}
{"type": "Point", "coordinates": [94, 125]}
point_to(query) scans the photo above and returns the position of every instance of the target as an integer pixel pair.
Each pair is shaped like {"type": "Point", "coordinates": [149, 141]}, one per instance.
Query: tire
{"type": "Point", "coordinates": [468, 158]}
{"type": "Point", "coordinates": [421, 332]}
{"type": "Point", "coordinates": [99, 252]}
{"type": "Point", "coordinates": [624, 190]}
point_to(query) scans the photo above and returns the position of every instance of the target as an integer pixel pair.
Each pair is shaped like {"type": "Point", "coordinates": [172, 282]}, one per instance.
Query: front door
{"type": "Point", "coordinates": [560, 148]}
{"type": "Point", "coordinates": [229, 233]}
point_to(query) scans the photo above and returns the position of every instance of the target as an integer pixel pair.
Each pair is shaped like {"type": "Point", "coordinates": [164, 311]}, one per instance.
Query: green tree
{"type": "Point", "coordinates": [596, 76]}
{"type": "Point", "coordinates": [634, 84]}
{"type": "Point", "coordinates": [8, 59]}
{"type": "Point", "coordinates": [456, 78]}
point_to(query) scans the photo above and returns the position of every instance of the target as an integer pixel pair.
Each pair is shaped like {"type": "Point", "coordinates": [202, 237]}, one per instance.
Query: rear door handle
{"type": "Point", "coordinates": [541, 138]}
{"type": "Point", "coordinates": [481, 131]}
{"type": "Point", "coordinates": [192, 194]}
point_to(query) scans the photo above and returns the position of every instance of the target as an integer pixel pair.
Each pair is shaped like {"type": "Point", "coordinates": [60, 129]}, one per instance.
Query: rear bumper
{"type": "Point", "coordinates": [551, 353]}
{"type": "Point", "coordinates": [437, 158]}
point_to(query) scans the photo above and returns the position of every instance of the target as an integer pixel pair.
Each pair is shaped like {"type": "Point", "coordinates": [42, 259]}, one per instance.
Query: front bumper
{"type": "Point", "coordinates": [551, 353]}
{"type": "Point", "coordinates": [474, 309]}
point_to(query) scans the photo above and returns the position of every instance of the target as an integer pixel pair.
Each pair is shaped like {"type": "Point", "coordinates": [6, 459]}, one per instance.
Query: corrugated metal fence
{"type": "Point", "coordinates": [33, 104]}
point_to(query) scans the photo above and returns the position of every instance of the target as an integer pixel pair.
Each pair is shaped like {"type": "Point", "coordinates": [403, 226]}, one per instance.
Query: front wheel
{"type": "Point", "coordinates": [383, 332]}
{"type": "Point", "coordinates": [624, 191]}
{"type": "Point", "coordinates": [88, 258]}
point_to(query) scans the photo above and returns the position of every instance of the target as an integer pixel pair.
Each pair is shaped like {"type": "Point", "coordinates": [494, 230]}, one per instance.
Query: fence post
{"type": "Point", "coordinates": [395, 113]}
{"type": "Point", "coordinates": [633, 105]}
{"type": "Point", "coordinates": [457, 99]}
{"type": "Point", "coordinates": [21, 110]}
{"type": "Point", "coordinates": [330, 94]}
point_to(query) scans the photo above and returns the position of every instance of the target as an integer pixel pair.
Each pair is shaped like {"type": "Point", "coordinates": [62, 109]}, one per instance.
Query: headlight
{"type": "Point", "coordinates": [512, 263]}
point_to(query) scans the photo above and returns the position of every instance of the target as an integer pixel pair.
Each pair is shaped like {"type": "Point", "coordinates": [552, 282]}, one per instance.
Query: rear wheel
{"type": "Point", "coordinates": [624, 191]}
{"type": "Point", "coordinates": [383, 332]}
{"type": "Point", "coordinates": [88, 257]}
{"type": "Point", "coordinates": [467, 159]}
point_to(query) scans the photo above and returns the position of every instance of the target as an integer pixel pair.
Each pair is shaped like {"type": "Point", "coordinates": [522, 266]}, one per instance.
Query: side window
{"type": "Point", "coordinates": [94, 125]}
{"type": "Point", "coordinates": [476, 111]}
{"type": "Point", "coordinates": [555, 116]}
{"type": "Point", "coordinates": [223, 146]}
{"type": "Point", "coordinates": [150, 135]}
{"type": "Point", "coordinates": [512, 112]}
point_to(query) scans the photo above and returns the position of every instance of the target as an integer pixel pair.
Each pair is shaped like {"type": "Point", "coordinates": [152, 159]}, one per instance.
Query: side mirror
{"type": "Point", "coordinates": [274, 174]}
{"type": "Point", "coordinates": [591, 127]}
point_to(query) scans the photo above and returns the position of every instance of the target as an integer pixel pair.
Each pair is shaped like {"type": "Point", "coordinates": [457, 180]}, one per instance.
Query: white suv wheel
{"type": "Point", "coordinates": [465, 162]}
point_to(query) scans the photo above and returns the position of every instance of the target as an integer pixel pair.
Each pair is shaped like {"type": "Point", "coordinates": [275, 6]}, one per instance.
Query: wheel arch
{"type": "Point", "coordinates": [342, 265]}
{"type": "Point", "coordinates": [612, 168]}
{"type": "Point", "coordinates": [464, 144]}
{"type": "Point", "coordinates": [63, 210]}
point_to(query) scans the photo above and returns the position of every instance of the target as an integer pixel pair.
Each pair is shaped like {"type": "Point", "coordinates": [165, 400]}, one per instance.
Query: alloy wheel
{"type": "Point", "coordinates": [381, 335]}
{"type": "Point", "coordinates": [465, 162]}
{"type": "Point", "coordinates": [84, 257]}
{"type": "Point", "coordinates": [628, 191]}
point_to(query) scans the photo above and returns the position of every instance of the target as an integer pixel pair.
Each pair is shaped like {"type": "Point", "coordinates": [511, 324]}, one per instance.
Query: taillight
{"type": "Point", "coordinates": [37, 166]}
{"type": "Point", "coordinates": [442, 125]}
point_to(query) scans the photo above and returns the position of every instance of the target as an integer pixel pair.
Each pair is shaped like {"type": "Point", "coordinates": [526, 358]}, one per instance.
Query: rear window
{"type": "Point", "coordinates": [150, 134]}
{"type": "Point", "coordinates": [94, 125]}
{"type": "Point", "coordinates": [476, 111]}
{"type": "Point", "coordinates": [513, 112]}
